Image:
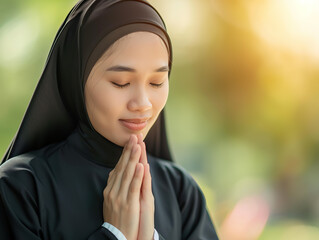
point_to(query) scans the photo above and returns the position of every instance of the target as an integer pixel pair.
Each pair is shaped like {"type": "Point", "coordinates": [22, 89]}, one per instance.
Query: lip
{"type": "Point", "coordinates": [135, 124]}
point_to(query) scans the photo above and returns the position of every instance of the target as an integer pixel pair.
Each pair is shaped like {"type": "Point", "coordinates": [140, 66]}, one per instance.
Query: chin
{"type": "Point", "coordinates": [122, 138]}
{"type": "Point", "coordinates": [120, 142]}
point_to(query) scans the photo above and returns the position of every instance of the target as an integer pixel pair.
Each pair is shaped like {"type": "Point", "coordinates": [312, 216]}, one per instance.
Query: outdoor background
{"type": "Point", "coordinates": [243, 109]}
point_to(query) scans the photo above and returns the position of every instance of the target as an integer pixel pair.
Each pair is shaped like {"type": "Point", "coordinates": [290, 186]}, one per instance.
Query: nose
{"type": "Point", "coordinates": [139, 101]}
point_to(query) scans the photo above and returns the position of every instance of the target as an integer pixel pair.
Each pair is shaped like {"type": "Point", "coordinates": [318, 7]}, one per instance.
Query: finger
{"type": "Point", "coordinates": [110, 182]}
{"type": "Point", "coordinates": [143, 158]}
{"type": "Point", "coordinates": [140, 142]}
{"type": "Point", "coordinates": [135, 186]}
{"type": "Point", "coordinates": [116, 174]}
{"type": "Point", "coordinates": [110, 177]}
{"type": "Point", "coordinates": [128, 174]}
{"type": "Point", "coordinates": [140, 138]}
{"type": "Point", "coordinates": [126, 153]}
{"type": "Point", "coordinates": [147, 180]}
{"type": "Point", "coordinates": [121, 165]}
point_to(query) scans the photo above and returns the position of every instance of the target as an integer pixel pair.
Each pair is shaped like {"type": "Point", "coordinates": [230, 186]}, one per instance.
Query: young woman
{"type": "Point", "coordinates": [78, 167]}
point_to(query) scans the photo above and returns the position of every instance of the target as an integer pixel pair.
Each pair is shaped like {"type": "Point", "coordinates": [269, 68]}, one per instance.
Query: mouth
{"type": "Point", "coordinates": [136, 124]}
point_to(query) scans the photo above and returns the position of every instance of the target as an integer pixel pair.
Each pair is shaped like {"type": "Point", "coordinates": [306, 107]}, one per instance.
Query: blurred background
{"type": "Point", "coordinates": [243, 109]}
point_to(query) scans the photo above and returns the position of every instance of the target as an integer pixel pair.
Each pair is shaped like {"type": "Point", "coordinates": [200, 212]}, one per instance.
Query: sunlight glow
{"type": "Point", "coordinates": [17, 37]}
{"type": "Point", "coordinates": [288, 24]}
{"type": "Point", "coordinates": [183, 18]}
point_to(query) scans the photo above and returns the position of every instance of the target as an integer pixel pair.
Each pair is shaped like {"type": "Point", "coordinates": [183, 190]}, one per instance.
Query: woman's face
{"type": "Point", "coordinates": [128, 87]}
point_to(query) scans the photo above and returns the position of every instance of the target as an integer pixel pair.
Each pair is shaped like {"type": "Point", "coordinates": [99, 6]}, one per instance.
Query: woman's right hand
{"type": "Point", "coordinates": [121, 206]}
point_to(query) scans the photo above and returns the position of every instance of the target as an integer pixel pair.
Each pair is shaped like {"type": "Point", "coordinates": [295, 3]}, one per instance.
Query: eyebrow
{"type": "Point", "coordinates": [119, 68]}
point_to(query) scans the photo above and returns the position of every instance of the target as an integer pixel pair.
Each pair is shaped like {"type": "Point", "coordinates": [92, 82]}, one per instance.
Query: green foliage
{"type": "Point", "coordinates": [242, 113]}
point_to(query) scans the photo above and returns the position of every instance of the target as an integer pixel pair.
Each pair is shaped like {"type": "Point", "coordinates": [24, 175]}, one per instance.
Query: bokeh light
{"type": "Point", "coordinates": [243, 109]}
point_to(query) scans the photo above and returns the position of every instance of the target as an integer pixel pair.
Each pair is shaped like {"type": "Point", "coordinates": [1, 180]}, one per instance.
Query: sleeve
{"type": "Point", "coordinates": [116, 232]}
{"type": "Point", "coordinates": [160, 237]}
{"type": "Point", "coordinates": [19, 215]}
{"type": "Point", "coordinates": [19, 209]}
{"type": "Point", "coordinates": [103, 234]}
{"type": "Point", "coordinates": [156, 236]}
{"type": "Point", "coordinates": [196, 222]}
{"type": "Point", "coordinates": [119, 235]}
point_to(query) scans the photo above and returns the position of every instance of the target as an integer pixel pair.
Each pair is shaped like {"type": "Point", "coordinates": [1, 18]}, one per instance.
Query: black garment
{"type": "Point", "coordinates": [56, 168]}
{"type": "Point", "coordinates": [57, 193]}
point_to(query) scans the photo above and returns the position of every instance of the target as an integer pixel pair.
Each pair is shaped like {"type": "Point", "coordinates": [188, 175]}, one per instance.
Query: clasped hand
{"type": "Point", "coordinates": [128, 200]}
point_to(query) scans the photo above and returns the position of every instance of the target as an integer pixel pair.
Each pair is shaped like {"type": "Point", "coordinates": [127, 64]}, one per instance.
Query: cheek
{"type": "Point", "coordinates": [104, 100]}
{"type": "Point", "coordinates": [159, 98]}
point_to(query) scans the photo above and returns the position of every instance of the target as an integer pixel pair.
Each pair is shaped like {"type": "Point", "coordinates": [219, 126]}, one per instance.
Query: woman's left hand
{"type": "Point", "coordinates": [146, 225]}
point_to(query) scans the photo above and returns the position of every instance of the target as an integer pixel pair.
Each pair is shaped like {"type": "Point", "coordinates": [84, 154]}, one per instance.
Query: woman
{"type": "Point", "coordinates": [78, 167]}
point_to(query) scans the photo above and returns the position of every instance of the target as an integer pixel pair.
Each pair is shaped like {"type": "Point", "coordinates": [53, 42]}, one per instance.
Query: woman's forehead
{"type": "Point", "coordinates": [135, 47]}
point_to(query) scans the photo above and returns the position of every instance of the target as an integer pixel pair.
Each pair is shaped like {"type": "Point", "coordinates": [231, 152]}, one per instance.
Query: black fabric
{"type": "Point", "coordinates": [57, 193]}
{"type": "Point", "coordinates": [58, 101]}
{"type": "Point", "coordinates": [53, 175]}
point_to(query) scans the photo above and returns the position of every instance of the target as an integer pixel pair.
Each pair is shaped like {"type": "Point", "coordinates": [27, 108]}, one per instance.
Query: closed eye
{"type": "Point", "coordinates": [157, 84]}
{"type": "Point", "coordinates": [120, 85]}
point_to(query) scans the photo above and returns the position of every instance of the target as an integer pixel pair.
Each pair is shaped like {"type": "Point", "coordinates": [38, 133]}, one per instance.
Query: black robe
{"type": "Point", "coordinates": [57, 193]}
{"type": "Point", "coordinates": [53, 174]}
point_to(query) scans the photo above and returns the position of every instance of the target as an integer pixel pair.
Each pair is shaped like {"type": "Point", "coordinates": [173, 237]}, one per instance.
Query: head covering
{"type": "Point", "coordinates": [57, 105]}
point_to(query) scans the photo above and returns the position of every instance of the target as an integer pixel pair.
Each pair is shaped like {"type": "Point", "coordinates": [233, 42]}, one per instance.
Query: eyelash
{"type": "Point", "coordinates": [124, 85]}
{"type": "Point", "coordinates": [157, 85]}
{"type": "Point", "coordinates": [119, 85]}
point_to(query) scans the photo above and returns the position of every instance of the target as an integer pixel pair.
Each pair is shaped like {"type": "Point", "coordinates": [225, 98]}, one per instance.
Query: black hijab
{"type": "Point", "coordinates": [57, 105]}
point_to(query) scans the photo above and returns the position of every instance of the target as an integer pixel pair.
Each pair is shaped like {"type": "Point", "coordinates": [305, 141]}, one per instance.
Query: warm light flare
{"type": "Point", "coordinates": [288, 24]}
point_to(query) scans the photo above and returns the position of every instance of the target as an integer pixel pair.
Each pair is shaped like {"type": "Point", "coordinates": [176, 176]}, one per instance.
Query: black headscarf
{"type": "Point", "coordinates": [57, 105]}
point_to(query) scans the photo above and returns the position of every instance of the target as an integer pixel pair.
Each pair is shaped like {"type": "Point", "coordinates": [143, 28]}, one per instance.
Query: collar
{"type": "Point", "coordinates": [95, 147]}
